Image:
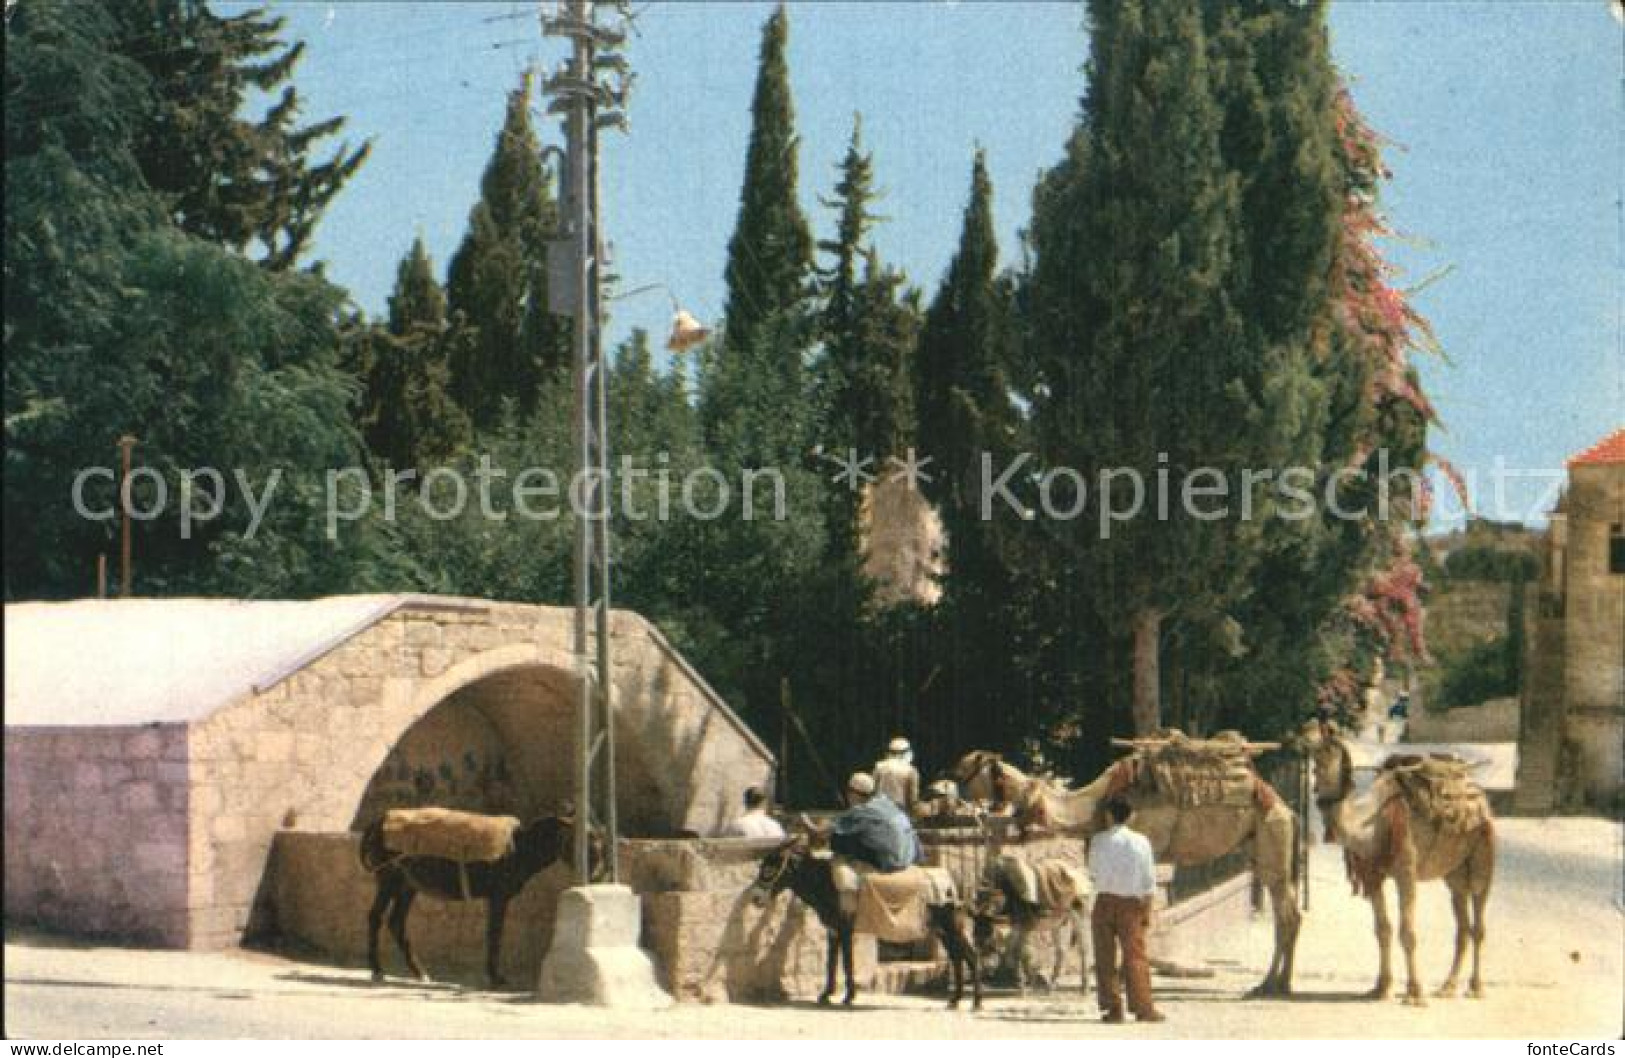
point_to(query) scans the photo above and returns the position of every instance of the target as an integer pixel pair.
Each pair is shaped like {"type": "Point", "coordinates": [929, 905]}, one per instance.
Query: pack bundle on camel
{"type": "Point", "coordinates": [1423, 818]}
{"type": "Point", "coordinates": [1194, 800]}
{"type": "Point", "coordinates": [456, 856]}
{"type": "Point", "coordinates": [901, 907]}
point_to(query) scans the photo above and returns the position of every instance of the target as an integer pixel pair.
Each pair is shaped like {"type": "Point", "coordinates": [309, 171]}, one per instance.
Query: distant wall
{"type": "Point", "coordinates": [1494, 721]}
{"type": "Point", "coordinates": [96, 831]}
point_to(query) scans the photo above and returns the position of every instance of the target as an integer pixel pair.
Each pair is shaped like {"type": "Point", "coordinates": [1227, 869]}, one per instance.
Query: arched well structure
{"type": "Point", "coordinates": [207, 727]}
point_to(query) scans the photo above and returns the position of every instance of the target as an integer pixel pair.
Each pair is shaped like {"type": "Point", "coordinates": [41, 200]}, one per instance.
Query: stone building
{"type": "Point", "coordinates": [1573, 724]}
{"type": "Point", "coordinates": [155, 749]}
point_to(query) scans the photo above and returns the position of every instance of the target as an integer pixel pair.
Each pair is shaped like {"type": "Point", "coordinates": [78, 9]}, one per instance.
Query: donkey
{"type": "Point", "coordinates": [1061, 909]}
{"type": "Point", "coordinates": [811, 878]}
{"type": "Point", "coordinates": [536, 846]}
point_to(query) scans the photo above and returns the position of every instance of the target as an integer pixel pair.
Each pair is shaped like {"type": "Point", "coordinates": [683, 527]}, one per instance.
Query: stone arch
{"type": "Point", "coordinates": [494, 685]}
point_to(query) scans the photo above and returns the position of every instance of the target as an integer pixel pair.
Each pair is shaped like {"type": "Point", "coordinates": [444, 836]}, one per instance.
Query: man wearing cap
{"type": "Point", "coordinates": [874, 830]}
{"type": "Point", "coordinates": [897, 778]}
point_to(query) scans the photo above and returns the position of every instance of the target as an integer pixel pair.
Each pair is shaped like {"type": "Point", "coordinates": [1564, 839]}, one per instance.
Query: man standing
{"type": "Point", "coordinates": [1125, 885]}
{"type": "Point", "coordinates": [755, 823]}
{"type": "Point", "coordinates": [896, 776]}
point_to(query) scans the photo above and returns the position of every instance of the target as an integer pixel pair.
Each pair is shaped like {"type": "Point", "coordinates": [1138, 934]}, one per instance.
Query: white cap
{"type": "Point", "coordinates": [861, 783]}
{"type": "Point", "coordinates": [898, 745]}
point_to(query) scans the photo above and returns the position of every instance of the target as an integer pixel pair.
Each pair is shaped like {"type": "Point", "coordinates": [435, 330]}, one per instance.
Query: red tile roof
{"type": "Point", "coordinates": [1610, 449]}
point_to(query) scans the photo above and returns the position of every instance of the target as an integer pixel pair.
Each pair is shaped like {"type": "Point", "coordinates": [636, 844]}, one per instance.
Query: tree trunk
{"type": "Point", "coordinates": [1147, 677]}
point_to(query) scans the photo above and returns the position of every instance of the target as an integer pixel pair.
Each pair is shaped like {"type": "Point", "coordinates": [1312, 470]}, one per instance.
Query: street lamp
{"type": "Point", "coordinates": [686, 331]}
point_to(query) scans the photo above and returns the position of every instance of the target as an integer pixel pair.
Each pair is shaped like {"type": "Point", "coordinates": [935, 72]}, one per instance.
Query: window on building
{"type": "Point", "coordinates": [1616, 550]}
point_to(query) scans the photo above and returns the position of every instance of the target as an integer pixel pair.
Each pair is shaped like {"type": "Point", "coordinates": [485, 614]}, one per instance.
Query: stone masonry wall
{"type": "Point", "coordinates": [96, 831]}
{"type": "Point", "coordinates": [1594, 637]}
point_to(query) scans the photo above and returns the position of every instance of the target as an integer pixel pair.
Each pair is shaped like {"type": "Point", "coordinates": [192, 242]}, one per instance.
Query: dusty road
{"type": "Point", "coordinates": [1555, 963]}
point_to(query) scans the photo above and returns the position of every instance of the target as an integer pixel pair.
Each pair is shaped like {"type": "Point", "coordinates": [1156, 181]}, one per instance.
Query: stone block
{"type": "Point", "coordinates": [594, 958]}
{"type": "Point", "coordinates": [272, 747]}
{"type": "Point", "coordinates": [143, 744]}
{"type": "Point", "coordinates": [140, 796]}
{"type": "Point", "coordinates": [87, 777]}
{"type": "Point", "coordinates": [435, 660]}
{"type": "Point", "coordinates": [226, 828]}
{"type": "Point", "coordinates": [160, 857]}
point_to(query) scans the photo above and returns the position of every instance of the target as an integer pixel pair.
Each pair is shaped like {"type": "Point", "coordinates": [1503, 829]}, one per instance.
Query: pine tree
{"type": "Point", "coordinates": [506, 343]}
{"type": "Point", "coordinates": [770, 254]}
{"type": "Point", "coordinates": [252, 185]}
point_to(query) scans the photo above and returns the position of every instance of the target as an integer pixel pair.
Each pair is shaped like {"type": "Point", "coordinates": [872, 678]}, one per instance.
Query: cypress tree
{"type": "Point", "coordinates": [965, 414]}
{"type": "Point", "coordinates": [770, 254]}
{"type": "Point", "coordinates": [506, 344]}
{"type": "Point", "coordinates": [962, 398]}
{"type": "Point", "coordinates": [1144, 341]}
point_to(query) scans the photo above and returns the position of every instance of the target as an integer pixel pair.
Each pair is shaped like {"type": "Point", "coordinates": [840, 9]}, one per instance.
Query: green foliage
{"type": "Point", "coordinates": [1479, 674]}
{"type": "Point", "coordinates": [250, 185]}
{"type": "Point", "coordinates": [1485, 562]}
{"type": "Point", "coordinates": [406, 414]}
{"type": "Point", "coordinates": [119, 322]}
{"type": "Point", "coordinates": [770, 254]}
{"type": "Point", "coordinates": [505, 343]}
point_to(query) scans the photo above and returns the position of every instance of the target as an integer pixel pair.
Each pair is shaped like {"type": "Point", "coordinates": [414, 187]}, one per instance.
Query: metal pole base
{"type": "Point", "coordinates": [595, 958]}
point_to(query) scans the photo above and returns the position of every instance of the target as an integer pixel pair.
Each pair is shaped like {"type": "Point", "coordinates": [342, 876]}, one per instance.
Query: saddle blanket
{"type": "Point", "coordinates": [466, 837]}
{"type": "Point", "coordinates": [894, 906]}
{"type": "Point", "coordinates": [1052, 885]}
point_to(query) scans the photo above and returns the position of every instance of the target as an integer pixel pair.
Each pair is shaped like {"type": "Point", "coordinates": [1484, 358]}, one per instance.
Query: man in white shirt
{"type": "Point", "coordinates": [755, 823]}
{"type": "Point", "coordinates": [897, 778]}
{"type": "Point", "coordinates": [1125, 885]}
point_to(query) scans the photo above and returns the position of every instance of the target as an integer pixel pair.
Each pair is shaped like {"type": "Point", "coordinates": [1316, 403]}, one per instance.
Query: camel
{"type": "Point", "coordinates": [1189, 824]}
{"type": "Point", "coordinates": [1422, 819]}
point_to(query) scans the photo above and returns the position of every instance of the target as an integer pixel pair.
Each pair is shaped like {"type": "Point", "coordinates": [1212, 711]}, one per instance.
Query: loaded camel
{"type": "Point", "coordinates": [1193, 800]}
{"type": "Point", "coordinates": [1422, 819]}
{"type": "Point", "coordinates": [523, 851]}
{"type": "Point", "coordinates": [812, 878]}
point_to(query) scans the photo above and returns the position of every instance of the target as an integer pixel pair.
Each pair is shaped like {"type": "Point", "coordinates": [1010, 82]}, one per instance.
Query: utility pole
{"type": "Point", "coordinates": [125, 444]}
{"type": "Point", "coordinates": [582, 94]}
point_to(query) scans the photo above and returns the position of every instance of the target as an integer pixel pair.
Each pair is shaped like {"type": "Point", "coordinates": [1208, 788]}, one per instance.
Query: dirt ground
{"type": "Point", "coordinates": [1555, 967]}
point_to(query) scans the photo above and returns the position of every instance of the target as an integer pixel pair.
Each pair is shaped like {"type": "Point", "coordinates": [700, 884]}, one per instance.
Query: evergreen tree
{"type": "Point", "coordinates": [1142, 279]}
{"type": "Point", "coordinates": [506, 343]}
{"type": "Point", "coordinates": [854, 192]}
{"type": "Point", "coordinates": [119, 322]}
{"type": "Point", "coordinates": [251, 185]}
{"type": "Point", "coordinates": [965, 415]}
{"type": "Point", "coordinates": [407, 417]}
{"type": "Point", "coordinates": [962, 394]}
{"type": "Point", "coordinates": [770, 254]}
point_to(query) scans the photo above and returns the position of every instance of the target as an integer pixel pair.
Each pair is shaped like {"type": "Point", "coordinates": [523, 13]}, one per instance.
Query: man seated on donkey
{"type": "Point", "coordinates": [874, 830]}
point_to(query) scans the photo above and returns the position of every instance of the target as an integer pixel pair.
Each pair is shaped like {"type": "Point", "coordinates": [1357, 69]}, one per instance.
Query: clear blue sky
{"type": "Point", "coordinates": [1507, 120]}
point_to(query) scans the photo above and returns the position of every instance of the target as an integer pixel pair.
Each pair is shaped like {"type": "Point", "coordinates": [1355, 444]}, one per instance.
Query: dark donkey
{"type": "Point", "coordinates": [536, 845]}
{"type": "Point", "coordinates": [812, 879]}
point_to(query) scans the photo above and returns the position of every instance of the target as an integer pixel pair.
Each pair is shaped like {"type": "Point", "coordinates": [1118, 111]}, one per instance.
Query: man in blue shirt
{"type": "Point", "coordinates": [1125, 884]}
{"type": "Point", "coordinates": [874, 830]}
